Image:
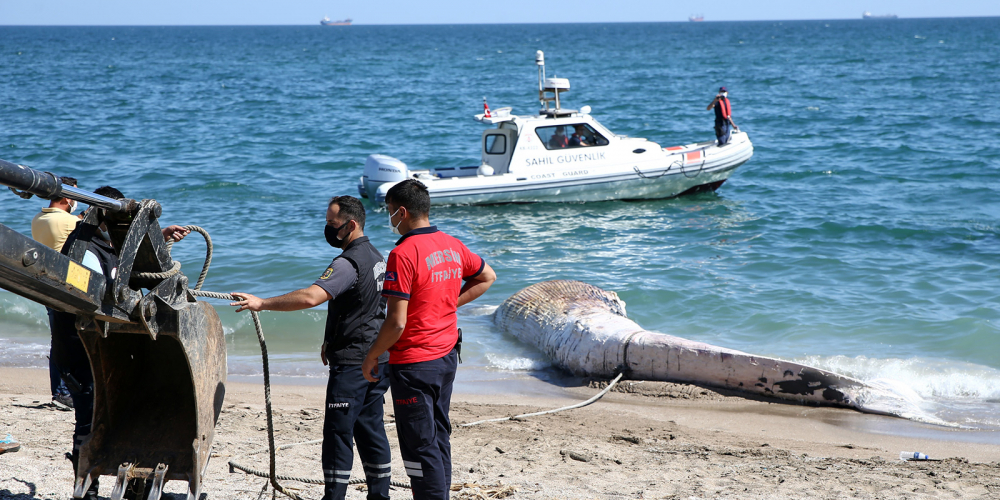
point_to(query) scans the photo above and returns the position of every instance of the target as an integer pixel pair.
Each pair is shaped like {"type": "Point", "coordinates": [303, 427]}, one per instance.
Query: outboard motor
{"type": "Point", "coordinates": [380, 169]}
{"type": "Point", "coordinates": [158, 358]}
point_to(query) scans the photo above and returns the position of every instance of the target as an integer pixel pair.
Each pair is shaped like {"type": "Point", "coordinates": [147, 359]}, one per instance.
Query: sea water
{"type": "Point", "coordinates": [862, 237]}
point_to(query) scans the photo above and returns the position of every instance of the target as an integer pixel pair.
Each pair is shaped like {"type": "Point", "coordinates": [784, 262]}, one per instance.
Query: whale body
{"type": "Point", "coordinates": [585, 330]}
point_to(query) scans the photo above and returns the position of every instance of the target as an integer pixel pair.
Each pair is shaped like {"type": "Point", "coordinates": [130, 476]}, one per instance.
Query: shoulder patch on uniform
{"type": "Point", "coordinates": [327, 273]}
{"type": "Point", "coordinates": [390, 276]}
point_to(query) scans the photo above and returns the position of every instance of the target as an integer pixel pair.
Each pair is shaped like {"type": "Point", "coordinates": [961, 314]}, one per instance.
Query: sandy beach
{"type": "Point", "coordinates": [642, 440]}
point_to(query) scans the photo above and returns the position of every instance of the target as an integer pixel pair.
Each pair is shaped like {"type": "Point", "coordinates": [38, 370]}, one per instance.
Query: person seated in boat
{"type": "Point", "coordinates": [581, 137]}
{"type": "Point", "coordinates": [558, 139]}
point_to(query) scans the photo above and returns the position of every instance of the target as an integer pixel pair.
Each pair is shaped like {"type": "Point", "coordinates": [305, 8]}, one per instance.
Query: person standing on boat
{"type": "Point", "coordinates": [724, 124]}
{"type": "Point", "coordinates": [352, 286]}
{"type": "Point", "coordinates": [428, 276]}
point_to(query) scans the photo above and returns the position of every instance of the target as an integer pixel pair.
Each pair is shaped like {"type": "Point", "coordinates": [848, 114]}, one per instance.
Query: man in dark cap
{"type": "Point", "coordinates": [723, 116]}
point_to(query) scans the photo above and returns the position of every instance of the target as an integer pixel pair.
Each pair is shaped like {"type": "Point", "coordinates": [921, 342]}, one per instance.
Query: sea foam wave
{"type": "Point", "coordinates": [14, 353]}
{"type": "Point", "coordinates": [929, 378]}
{"type": "Point", "coordinates": [516, 363]}
{"type": "Point", "coordinates": [936, 391]}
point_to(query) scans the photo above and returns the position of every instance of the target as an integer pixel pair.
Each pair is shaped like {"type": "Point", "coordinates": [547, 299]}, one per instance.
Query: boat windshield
{"type": "Point", "coordinates": [570, 136]}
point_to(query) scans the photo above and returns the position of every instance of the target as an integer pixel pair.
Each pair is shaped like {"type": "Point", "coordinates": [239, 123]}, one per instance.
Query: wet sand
{"type": "Point", "coordinates": [643, 440]}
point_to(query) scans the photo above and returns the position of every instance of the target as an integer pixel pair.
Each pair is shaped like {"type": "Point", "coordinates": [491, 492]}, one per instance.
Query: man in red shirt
{"type": "Point", "coordinates": [427, 277]}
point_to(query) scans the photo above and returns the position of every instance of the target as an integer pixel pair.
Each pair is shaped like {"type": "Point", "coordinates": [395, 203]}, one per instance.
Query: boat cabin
{"type": "Point", "coordinates": [554, 137]}
{"type": "Point", "coordinates": [518, 143]}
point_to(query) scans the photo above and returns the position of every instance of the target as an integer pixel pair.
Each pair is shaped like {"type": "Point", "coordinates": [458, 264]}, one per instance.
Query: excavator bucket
{"type": "Point", "coordinates": [157, 354]}
{"type": "Point", "coordinates": [156, 401]}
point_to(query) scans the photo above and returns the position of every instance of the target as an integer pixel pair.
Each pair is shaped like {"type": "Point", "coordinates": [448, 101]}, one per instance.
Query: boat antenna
{"type": "Point", "coordinates": [540, 62]}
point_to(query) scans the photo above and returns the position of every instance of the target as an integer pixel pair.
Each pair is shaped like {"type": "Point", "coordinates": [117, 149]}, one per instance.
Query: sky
{"type": "Point", "coordinates": [309, 12]}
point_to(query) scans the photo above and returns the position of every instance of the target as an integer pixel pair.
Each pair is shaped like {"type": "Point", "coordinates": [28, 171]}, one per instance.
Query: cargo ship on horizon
{"type": "Point", "coordinates": [341, 22]}
{"type": "Point", "coordinates": [869, 15]}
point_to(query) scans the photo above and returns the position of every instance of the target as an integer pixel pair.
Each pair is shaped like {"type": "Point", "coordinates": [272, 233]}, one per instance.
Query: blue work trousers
{"type": "Point", "coordinates": [421, 398]}
{"type": "Point", "coordinates": [69, 354]}
{"type": "Point", "coordinates": [55, 374]}
{"type": "Point", "coordinates": [354, 415]}
{"type": "Point", "coordinates": [723, 131]}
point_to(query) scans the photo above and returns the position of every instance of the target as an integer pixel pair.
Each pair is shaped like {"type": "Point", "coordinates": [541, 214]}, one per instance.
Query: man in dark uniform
{"type": "Point", "coordinates": [428, 276]}
{"type": "Point", "coordinates": [352, 284]}
{"type": "Point", "coordinates": [723, 116]}
{"type": "Point", "coordinates": [68, 353]}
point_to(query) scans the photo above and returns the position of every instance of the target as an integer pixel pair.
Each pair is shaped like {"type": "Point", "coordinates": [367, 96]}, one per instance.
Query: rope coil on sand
{"type": "Point", "coordinates": [272, 449]}
{"type": "Point", "coordinates": [234, 465]}
{"type": "Point", "coordinates": [557, 410]}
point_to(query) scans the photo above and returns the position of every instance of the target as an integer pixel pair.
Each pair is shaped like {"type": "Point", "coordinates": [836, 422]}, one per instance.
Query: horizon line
{"type": "Point", "coordinates": [487, 24]}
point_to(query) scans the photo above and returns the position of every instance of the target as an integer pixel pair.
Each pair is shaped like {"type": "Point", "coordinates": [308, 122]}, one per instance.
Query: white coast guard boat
{"type": "Point", "coordinates": [563, 155]}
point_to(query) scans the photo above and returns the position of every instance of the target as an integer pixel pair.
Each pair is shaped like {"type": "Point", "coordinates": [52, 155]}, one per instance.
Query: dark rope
{"type": "Point", "coordinates": [700, 167]}
{"type": "Point", "coordinates": [161, 276]}
{"type": "Point", "coordinates": [208, 253]}
{"type": "Point", "coordinates": [267, 389]}
{"type": "Point", "coordinates": [176, 267]}
{"type": "Point", "coordinates": [644, 176]}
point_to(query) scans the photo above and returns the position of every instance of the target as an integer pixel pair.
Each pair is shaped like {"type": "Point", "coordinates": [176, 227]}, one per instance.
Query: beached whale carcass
{"type": "Point", "coordinates": [585, 330]}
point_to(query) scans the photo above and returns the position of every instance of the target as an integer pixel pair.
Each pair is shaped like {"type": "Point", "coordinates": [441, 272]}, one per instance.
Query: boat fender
{"type": "Point", "coordinates": [485, 170]}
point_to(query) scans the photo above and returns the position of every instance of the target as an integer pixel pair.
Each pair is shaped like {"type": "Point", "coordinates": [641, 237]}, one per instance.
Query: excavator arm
{"type": "Point", "coordinates": [158, 355]}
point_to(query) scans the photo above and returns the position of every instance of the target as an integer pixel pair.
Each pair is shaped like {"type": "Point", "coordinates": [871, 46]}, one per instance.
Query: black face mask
{"type": "Point", "coordinates": [331, 235]}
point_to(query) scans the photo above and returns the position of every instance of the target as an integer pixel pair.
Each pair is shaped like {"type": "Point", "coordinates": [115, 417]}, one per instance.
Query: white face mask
{"type": "Point", "coordinates": [72, 206]}
{"type": "Point", "coordinates": [395, 229]}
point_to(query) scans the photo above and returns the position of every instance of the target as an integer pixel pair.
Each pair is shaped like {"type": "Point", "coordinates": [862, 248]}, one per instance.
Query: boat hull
{"type": "Point", "coordinates": [584, 329]}
{"type": "Point", "coordinates": [676, 171]}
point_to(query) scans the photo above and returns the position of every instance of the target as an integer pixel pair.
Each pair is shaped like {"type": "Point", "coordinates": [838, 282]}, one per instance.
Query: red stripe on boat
{"type": "Point", "coordinates": [693, 156]}
{"type": "Point", "coordinates": [674, 148]}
